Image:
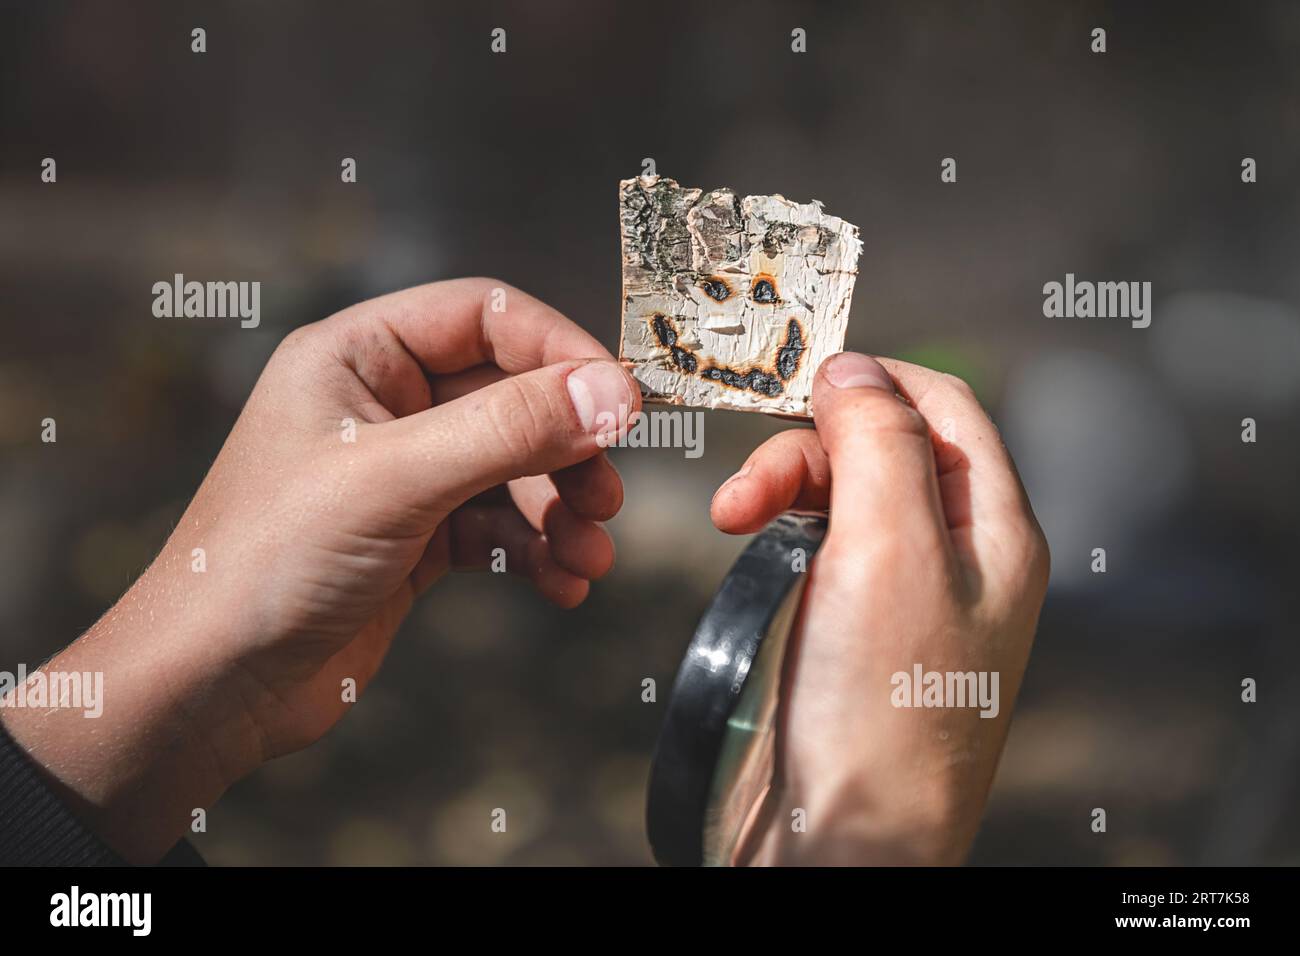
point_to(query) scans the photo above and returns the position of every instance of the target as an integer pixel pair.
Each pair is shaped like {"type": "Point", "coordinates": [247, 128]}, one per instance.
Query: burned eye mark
{"type": "Point", "coordinates": [684, 359]}
{"type": "Point", "coordinates": [763, 290]}
{"type": "Point", "coordinates": [716, 288]}
{"type": "Point", "coordinates": [789, 355]}
{"type": "Point", "coordinates": [664, 331]}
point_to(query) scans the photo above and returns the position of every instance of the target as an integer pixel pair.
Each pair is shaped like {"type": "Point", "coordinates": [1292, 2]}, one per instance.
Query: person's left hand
{"type": "Point", "coordinates": [933, 559]}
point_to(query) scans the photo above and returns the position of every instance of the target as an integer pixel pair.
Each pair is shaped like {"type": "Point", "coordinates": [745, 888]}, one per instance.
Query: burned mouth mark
{"type": "Point", "coordinates": [759, 380]}
{"type": "Point", "coordinates": [755, 380]}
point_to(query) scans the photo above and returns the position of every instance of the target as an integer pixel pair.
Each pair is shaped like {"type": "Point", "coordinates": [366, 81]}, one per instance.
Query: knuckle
{"type": "Point", "coordinates": [1031, 556]}
{"type": "Point", "coordinates": [869, 419]}
{"type": "Point", "coordinates": [296, 354]}
{"type": "Point", "coordinates": [359, 333]}
{"type": "Point", "coordinates": [1040, 557]}
{"type": "Point", "coordinates": [894, 415]}
{"type": "Point", "coordinates": [958, 387]}
{"type": "Point", "coordinates": [486, 286]}
{"type": "Point", "coordinates": [297, 339]}
{"type": "Point", "coordinates": [791, 443]}
{"type": "Point", "coordinates": [515, 419]}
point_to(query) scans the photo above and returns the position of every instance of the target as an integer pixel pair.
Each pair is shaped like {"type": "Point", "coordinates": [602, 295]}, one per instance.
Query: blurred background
{"type": "Point", "coordinates": [1122, 166]}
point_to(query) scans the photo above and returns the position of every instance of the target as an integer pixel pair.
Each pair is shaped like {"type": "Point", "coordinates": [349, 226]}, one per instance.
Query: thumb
{"type": "Point", "coordinates": [883, 477]}
{"type": "Point", "coordinates": [528, 424]}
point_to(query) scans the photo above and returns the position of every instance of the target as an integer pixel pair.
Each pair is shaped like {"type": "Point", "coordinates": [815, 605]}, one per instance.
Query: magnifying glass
{"type": "Point", "coordinates": [713, 762]}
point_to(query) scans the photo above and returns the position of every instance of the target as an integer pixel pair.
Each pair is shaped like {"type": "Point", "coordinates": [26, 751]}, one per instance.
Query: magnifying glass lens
{"type": "Point", "coordinates": [714, 760]}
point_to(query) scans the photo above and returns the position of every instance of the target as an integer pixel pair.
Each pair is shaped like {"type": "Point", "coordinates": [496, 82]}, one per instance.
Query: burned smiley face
{"type": "Point", "coordinates": [731, 302]}
{"type": "Point", "coordinates": [763, 380]}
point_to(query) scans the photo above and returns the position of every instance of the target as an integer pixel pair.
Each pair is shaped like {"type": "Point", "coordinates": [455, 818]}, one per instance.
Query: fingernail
{"type": "Point", "coordinates": [601, 397]}
{"type": "Point", "coordinates": [855, 370]}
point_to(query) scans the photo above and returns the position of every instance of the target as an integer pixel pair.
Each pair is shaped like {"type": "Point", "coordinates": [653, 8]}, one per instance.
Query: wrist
{"type": "Point", "coordinates": [845, 820]}
{"type": "Point", "coordinates": [167, 739]}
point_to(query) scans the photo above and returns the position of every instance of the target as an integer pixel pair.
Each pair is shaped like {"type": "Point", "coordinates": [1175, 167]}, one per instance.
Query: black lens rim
{"type": "Point", "coordinates": [710, 680]}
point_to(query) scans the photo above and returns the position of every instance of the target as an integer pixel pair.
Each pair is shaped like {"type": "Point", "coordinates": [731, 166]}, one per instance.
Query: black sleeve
{"type": "Point", "coordinates": [37, 829]}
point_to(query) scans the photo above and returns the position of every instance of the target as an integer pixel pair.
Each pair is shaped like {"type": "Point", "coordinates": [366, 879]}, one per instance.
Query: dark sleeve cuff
{"type": "Point", "coordinates": [38, 829]}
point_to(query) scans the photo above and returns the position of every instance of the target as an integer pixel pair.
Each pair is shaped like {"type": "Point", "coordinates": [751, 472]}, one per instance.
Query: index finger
{"type": "Point", "coordinates": [976, 474]}
{"type": "Point", "coordinates": [452, 325]}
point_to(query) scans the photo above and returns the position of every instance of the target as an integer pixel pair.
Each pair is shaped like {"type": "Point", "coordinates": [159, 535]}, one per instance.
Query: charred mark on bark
{"type": "Point", "coordinates": [716, 288]}
{"type": "Point", "coordinates": [763, 290]}
{"type": "Point", "coordinates": [778, 236]}
{"type": "Point", "coordinates": [789, 355]}
{"type": "Point", "coordinates": [664, 331]}
{"type": "Point", "coordinates": [762, 381]}
{"type": "Point", "coordinates": [755, 380]}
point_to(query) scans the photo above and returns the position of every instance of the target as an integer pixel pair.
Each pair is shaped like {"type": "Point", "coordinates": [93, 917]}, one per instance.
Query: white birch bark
{"type": "Point", "coordinates": [731, 302]}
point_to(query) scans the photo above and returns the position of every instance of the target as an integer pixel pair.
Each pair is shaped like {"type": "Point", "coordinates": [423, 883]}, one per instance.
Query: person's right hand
{"type": "Point", "coordinates": [440, 428]}
{"type": "Point", "coordinates": [933, 557]}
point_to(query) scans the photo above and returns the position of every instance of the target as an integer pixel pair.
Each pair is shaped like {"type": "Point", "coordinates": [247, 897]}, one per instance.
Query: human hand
{"type": "Point", "coordinates": [932, 557]}
{"type": "Point", "coordinates": [398, 439]}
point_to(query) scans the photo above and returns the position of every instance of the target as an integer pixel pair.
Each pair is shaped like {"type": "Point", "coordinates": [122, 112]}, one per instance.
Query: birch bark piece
{"type": "Point", "coordinates": [731, 302]}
